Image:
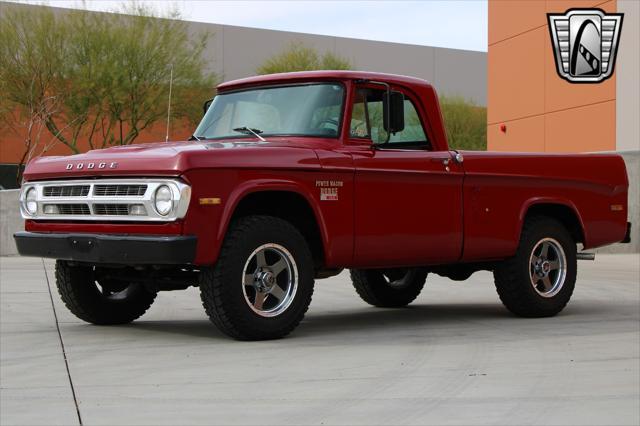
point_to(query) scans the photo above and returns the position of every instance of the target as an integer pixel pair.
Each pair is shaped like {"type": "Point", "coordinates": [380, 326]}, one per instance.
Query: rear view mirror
{"type": "Point", "coordinates": [394, 111]}
{"type": "Point", "coordinates": [206, 105]}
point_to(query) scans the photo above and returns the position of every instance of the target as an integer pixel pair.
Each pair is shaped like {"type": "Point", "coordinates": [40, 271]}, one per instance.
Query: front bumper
{"type": "Point", "coordinates": [103, 248]}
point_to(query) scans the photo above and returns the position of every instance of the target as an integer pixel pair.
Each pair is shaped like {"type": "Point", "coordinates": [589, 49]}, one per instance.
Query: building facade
{"type": "Point", "coordinates": [530, 108]}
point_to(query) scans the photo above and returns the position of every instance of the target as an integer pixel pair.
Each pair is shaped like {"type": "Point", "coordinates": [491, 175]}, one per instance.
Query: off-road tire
{"type": "Point", "coordinates": [78, 290]}
{"type": "Point", "coordinates": [512, 276]}
{"type": "Point", "coordinates": [221, 286]}
{"type": "Point", "coordinates": [372, 287]}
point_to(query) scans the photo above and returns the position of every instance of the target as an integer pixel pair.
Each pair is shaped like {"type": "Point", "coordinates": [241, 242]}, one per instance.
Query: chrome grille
{"type": "Point", "coordinates": [111, 209]}
{"type": "Point", "coordinates": [114, 190]}
{"type": "Point", "coordinates": [130, 199]}
{"type": "Point", "coordinates": [66, 191]}
{"type": "Point", "coordinates": [73, 209]}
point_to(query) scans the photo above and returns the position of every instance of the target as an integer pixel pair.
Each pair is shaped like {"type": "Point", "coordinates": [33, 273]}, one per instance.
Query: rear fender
{"type": "Point", "coordinates": [537, 201]}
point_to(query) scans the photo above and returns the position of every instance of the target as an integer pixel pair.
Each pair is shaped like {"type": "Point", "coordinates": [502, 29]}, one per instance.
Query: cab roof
{"type": "Point", "coordinates": [323, 75]}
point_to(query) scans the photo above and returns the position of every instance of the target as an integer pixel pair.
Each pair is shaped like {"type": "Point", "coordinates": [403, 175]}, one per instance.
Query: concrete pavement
{"type": "Point", "coordinates": [454, 357]}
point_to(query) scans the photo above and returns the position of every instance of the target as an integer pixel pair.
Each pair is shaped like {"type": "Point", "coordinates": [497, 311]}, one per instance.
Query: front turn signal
{"type": "Point", "coordinates": [210, 201]}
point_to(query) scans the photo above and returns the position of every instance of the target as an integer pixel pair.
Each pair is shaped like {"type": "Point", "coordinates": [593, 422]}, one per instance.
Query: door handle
{"type": "Point", "coordinates": [444, 161]}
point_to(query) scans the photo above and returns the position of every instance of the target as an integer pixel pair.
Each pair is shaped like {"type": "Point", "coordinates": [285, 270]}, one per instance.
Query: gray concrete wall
{"type": "Point", "coordinates": [456, 72]}
{"type": "Point", "coordinates": [236, 52]}
{"type": "Point", "coordinates": [10, 221]}
{"type": "Point", "coordinates": [627, 81]}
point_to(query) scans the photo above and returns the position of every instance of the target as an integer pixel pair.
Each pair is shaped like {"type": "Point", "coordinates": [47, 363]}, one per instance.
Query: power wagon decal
{"type": "Point", "coordinates": [329, 189]}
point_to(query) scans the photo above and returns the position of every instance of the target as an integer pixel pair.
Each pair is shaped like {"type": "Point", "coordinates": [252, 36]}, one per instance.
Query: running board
{"type": "Point", "coordinates": [586, 256]}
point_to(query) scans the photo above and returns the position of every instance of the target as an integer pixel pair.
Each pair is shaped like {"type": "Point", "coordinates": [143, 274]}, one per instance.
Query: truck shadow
{"type": "Point", "coordinates": [409, 321]}
{"type": "Point", "coordinates": [416, 320]}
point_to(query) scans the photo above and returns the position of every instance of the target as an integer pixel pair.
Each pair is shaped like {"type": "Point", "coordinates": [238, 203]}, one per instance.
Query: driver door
{"type": "Point", "coordinates": [408, 198]}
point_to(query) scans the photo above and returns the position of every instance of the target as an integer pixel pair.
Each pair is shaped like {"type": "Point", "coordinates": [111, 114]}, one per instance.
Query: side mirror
{"type": "Point", "coordinates": [393, 109]}
{"type": "Point", "coordinates": [206, 105]}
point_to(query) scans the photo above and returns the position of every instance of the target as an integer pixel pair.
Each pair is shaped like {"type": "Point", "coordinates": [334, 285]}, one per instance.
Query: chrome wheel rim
{"type": "Point", "coordinates": [269, 280]}
{"type": "Point", "coordinates": [547, 267]}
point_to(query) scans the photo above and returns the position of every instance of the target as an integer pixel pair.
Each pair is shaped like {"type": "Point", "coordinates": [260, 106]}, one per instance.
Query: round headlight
{"type": "Point", "coordinates": [163, 200]}
{"type": "Point", "coordinates": [30, 203]}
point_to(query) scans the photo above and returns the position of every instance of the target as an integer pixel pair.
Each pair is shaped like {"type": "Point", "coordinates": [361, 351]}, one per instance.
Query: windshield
{"type": "Point", "coordinates": [303, 110]}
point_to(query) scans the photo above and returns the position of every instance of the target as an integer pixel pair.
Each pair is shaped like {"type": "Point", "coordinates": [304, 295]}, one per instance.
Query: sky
{"type": "Point", "coordinates": [457, 24]}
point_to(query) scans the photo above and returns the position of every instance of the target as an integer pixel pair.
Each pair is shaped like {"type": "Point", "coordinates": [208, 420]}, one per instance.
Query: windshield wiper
{"type": "Point", "coordinates": [247, 130]}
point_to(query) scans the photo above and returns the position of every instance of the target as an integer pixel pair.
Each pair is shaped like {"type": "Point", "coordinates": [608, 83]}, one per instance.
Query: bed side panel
{"type": "Point", "coordinates": [499, 189]}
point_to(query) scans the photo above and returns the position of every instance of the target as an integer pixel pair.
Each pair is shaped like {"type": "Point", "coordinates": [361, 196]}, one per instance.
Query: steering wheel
{"type": "Point", "coordinates": [331, 121]}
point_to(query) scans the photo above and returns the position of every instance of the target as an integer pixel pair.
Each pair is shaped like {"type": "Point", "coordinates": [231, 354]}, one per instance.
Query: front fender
{"type": "Point", "coordinates": [210, 223]}
{"type": "Point", "coordinates": [274, 184]}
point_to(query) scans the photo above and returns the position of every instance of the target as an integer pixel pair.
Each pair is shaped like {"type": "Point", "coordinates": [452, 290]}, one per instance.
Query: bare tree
{"type": "Point", "coordinates": [97, 79]}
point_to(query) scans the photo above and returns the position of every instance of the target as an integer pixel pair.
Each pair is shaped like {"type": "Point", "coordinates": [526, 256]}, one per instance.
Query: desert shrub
{"type": "Point", "coordinates": [465, 123]}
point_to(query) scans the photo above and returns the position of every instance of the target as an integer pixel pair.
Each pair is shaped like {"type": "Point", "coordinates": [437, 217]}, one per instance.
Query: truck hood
{"type": "Point", "coordinates": [174, 158]}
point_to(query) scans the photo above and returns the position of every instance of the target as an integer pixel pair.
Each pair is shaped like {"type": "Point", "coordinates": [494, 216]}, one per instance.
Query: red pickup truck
{"type": "Point", "coordinates": [293, 177]}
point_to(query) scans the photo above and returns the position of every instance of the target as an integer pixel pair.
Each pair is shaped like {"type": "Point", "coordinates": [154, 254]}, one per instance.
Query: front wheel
{"type": "Point", "coordinates": [262, 283]}
{"type": "Point", "coordinates": [99, 300]}
{"type": "Point", "coordinates": [539, 280]}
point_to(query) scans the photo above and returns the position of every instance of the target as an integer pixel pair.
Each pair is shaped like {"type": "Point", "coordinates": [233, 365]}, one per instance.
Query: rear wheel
{"type": "Point", "coordinates": [262, 283]}
{"type": "Point", "coordinates": [388, 288]}
{"type": "Point", "coordinates": [100, 301]}
{"type": "Point", "coordinates": [539, 280]}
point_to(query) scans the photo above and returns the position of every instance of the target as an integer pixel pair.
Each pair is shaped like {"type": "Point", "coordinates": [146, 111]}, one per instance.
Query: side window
{"type": "Point", "coordinates": [413, 131]}
{"type": "Point", "coordinates": [367, 121]}
{"type": "Point", "coordinates": [359, 118]}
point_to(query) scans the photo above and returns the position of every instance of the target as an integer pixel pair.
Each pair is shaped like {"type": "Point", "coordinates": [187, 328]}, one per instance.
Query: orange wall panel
{"type": "Point", "coordinates": [513, 17]}
{"type": "Point", "coordinates": [542, 111]}
{"type": "Point", "coordinates": [526, 134]}
{"type": "Point", "coordinates": [516, 77]}
{"type": "Point", "coordinates": [587, 128]}
{"type": "Point", "coordinates": [561, 6]}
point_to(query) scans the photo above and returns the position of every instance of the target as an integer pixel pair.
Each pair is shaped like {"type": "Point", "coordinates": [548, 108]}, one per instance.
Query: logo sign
{"type": "Point", "coordinates": [89, 166]}
{"type": "Point", "coordinates": [585, 42]}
